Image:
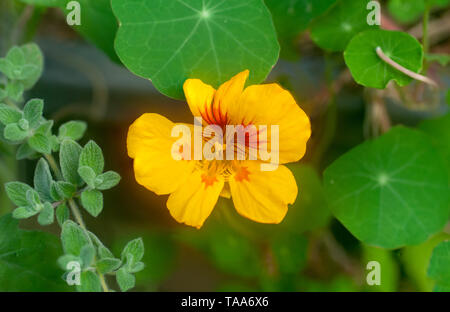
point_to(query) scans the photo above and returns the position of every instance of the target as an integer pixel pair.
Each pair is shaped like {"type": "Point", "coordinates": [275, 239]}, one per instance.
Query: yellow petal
{"type": "Point", "coordinates": [228, 94]}
{"type": "Point", "coordinates": [149, 143]}
{"type": "Point", "coordinates": [262, 196]}
{"type": "Point", "coordinates": [270, 104]}
{"type": "Point", "coordinates": [193, 202]}
{"type": "Point", "coordinates": [199, 97]}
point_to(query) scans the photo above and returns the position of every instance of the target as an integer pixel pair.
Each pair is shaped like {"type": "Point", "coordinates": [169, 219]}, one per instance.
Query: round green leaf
{"type": "Point", "coordinates": [169, 41]}
{"type": "Point", "coordinates": [392, 191]}
{"type": "Point", "coordinates": [369, 70]}
{"type": "Point", "coordinates": [333, 30]}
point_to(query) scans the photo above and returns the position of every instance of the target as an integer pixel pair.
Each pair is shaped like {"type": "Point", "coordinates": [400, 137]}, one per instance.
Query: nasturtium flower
{"type": "Point", "coordinates": [194, 184]}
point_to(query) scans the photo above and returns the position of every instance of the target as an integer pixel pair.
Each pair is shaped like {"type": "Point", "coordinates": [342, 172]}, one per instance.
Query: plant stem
{"type": "Point", "coordinates": [426, 19]}
{"type": "Point", "coordinates": [54, 166]}
{"type": "Point", "coordinates": [76, 213]}
{"type": "Point", "coordinates": [425, 38]}
{"type": "Point", "coordinates": [404, 70]}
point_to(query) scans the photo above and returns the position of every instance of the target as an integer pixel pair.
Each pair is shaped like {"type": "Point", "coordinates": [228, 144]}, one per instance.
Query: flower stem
{"type": "Point", "coordinates": [404, 70]}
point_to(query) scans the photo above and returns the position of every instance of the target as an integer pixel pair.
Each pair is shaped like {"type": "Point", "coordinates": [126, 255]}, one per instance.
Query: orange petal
{"type": "Point", "coordinates": [262, 196]}
{"type": "Point", "coordinates": [193, 202]}
{"type": "Point", "coordinates": [270, 104]}
{"type": "Point", "coordinates": [149, 143]}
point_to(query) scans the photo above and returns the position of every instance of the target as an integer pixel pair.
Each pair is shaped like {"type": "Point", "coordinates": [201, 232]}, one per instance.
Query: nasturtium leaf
{"type": "Point", "coordinates": [334, 30]}
{"type": "Point", "coordinates": [73, 238]}
{"type": "Point", "coordinates": [369, 70]}
{"type": "Point", "coordinates": [69, 155]}
{"type": "Point", "coordinates": [439, 268]}
{"type": "Point", "coordinates": [292, 17]}
{"type": "Point", "coordinates": [28, 259]}
{"type": "Point", "coordinates": [169, 41]}
{"type": "Point", "coordinates": [392, 191]}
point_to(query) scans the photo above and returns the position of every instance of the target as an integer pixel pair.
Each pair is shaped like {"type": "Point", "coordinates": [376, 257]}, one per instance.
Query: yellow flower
{"type": "Point", "coordinates": [195, 185]}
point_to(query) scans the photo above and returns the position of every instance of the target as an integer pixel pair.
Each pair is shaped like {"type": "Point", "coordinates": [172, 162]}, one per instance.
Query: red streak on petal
{"type": "Point", "coordinates": [242, 174]}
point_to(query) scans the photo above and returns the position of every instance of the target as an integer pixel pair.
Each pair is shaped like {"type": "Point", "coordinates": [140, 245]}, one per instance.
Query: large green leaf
{"type": "Point", "coordinates": [369, 70]}
{"type": "Point", "coordinates": [333, 30]}
{"type": "Point", "coordinates": [392, 191]}
{"type": "Point", "coordinates": [169, 41]}
{"type": "Point", "coordinates": [439, 268]}
{"type": "Point", "coordinates": [28, 259]}
{"type": "Point", "coordinates": [98, 25]}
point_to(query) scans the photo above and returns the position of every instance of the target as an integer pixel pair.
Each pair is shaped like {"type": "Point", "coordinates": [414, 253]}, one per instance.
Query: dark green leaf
{"type": "Point", "coordinates": [369, 70]}
{"type": "Point", "coordinates": [168, 41]}
{"type": "Point", "coordinates": [28, 259]}
{"type": "Point", "coordinates": [334, 30]}
{"type": "Point", "coordinates": [392, 191]}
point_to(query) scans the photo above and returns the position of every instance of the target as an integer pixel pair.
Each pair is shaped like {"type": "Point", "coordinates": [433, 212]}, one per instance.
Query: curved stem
{"type": "Point", "coordinates": [404, 70]}
{"type": "Point", "coordinates": [52, 162]}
